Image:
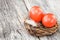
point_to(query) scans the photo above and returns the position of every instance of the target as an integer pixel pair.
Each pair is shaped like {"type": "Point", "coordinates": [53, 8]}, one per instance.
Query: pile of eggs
{"type": "Point", "coordinates": [37, 15]}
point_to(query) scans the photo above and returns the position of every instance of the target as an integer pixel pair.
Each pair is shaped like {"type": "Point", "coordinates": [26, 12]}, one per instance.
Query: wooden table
{"type": "Point", "coordinates": [13, 13]}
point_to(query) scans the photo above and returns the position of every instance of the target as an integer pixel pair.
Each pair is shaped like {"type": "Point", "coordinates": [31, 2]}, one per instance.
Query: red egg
{"type": "Point", "coordinates": [49, 20]}
{"type": "Point", "coordinates": [36, 13]}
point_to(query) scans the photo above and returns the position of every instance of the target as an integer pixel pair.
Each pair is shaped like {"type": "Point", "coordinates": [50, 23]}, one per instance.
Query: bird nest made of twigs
{"type": "Point", "coordinates": [40, 30]}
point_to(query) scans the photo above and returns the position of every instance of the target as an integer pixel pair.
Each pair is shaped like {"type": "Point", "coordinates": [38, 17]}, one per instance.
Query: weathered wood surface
{"type": "Point", "coordinates": [13, 13]}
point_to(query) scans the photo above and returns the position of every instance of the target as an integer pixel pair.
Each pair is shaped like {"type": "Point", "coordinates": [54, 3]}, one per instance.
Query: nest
{"type": "Point", "coordinates": [40, 30]}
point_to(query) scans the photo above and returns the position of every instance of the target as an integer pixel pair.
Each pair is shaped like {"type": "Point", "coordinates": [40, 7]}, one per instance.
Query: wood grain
{"type": "Point", "coordinates": [13, 13]}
